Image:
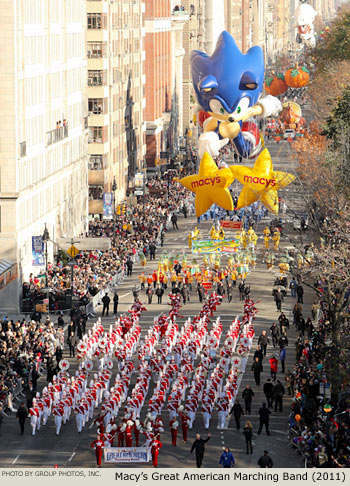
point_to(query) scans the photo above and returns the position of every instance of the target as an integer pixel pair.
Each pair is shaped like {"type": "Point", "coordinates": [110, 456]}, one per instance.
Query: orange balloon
{"type": "Point", "coordinates": [297, 417]}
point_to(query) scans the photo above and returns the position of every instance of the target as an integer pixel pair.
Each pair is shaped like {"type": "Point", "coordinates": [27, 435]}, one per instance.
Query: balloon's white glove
{"type": "Point", "coordinates": [270, 105]}
{"type": "Point", "coordinates": [210, 142]}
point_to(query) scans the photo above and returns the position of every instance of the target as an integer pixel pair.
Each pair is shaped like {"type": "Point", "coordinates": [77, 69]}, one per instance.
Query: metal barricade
{"type": "Point", "coordinates": [97, 299]}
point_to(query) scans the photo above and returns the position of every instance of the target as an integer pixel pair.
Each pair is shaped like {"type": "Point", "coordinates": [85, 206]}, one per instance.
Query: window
{"type": "Point", "coordinates": [96, 21]}
{"type": "Point", "coordinates": [98, 134]}
{"type": "Point", "coordinates": [96, 78]}
{"type": "Point", "coordinates": [98, 106]}
{"type": "Point", "coordinates": [96, 162]}
{"type": "Point", "coordinates": [96, 192]}
{"type": "Point", "coordinates": [23, 149]}
{"type": "Point", "coordinates": [96, 49]}
{"type": "Point", "coordinates": [117, 75]}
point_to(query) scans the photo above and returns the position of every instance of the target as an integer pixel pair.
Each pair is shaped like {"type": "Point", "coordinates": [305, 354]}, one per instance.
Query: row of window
{"type": "Point", "coordinates": [39, 49]}
{"type": "Point", "coordinates": [99, 21]}
{"type": "Point", "coordinates": [67, 193]}
{"type": "Point", "coordinates": [35, 169]}
{"type": "Point", "coordinates": [38, 11]}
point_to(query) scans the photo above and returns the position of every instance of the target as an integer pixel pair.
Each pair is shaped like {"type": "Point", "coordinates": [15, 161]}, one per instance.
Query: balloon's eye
{"type": "Point", "coordinates": [222, 110]}
{"type": "Point", "coordinates": [239, 109]}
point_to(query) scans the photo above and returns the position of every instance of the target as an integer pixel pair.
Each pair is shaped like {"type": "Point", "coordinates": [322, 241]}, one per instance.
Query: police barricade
{"type": "Point", "coordinates": [97, 299]}
{"type": "Point", "coordinates": [8, 398]}
{"type": "Point", "coordinates": [293, 438]}
{"type": "Point", "coordinates": [119, 455]}
{"type": "Point", "coordinates": [89, 310]}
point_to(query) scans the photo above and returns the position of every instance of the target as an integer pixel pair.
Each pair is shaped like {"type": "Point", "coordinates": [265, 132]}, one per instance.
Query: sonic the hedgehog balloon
{"type": "Point", "coordinates": [228, 85]}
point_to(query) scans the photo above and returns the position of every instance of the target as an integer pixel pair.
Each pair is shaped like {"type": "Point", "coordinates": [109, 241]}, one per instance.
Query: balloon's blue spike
{"type": "Point", "coordinates": [237, 75]}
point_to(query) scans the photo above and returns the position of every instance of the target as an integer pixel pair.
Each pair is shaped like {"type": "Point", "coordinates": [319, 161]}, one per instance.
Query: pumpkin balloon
{"type": "Point", "coordinates": [297, 77]}
{"type": "Point", "coordinates": [275, 85]}
{"type": "Point", "coordinates": [297, 418]}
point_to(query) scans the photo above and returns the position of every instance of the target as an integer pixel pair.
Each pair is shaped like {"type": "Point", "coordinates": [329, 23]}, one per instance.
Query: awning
{"type": "Point", "coordinates": [5, 265]}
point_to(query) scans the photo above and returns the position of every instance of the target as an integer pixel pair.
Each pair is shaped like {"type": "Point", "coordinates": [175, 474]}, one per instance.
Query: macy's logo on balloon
{"type": "Point", "coordinates": [206, 182]}
{"type": "Point", "coordinates": [260, 180]}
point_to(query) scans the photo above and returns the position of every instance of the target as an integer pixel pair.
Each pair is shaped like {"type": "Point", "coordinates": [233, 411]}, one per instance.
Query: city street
{"type": "Point", "coordinates": [174, 235]}
{"type": "Point", "coordinates": [72, 449]}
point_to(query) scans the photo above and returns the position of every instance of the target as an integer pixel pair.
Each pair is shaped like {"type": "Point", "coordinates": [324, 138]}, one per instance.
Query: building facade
{"type": "Point", "coordinates": [164, 23]}
{"type": "Point", "coordinates": [43, 141]}
{"type": "Point", "coordinates": [115, 84]}
{"type": "Point", "coordinates": [193, 39]}
{"type": "Point", "coordinates": [233, 19]}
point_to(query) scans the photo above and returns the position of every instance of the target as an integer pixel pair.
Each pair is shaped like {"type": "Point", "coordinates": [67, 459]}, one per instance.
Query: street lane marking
{"type": "Point", "coordinates": [16, 459]}
{"type": "Point", "coordinates": [71, 457]}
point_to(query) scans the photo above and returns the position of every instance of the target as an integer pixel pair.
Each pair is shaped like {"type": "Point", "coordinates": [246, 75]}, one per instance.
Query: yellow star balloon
{"type": "Point", "coordinates": [261, 182]}
{"type": "Point", "coordinates": [210, 186]}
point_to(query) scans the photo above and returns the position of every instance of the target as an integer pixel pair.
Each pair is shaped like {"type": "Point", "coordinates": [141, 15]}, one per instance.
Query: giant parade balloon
{"type": "Point", "coordinates": [305, 15]}
{"type": "Point", "coordinates": [261, 182]}
{"type": "Point", "coordinates": [210, 186]}
{"type": "Point", "coordinates": [228, 85]}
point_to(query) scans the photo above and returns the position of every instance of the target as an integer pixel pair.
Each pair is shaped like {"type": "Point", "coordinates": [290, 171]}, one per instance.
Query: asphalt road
{"type": "Point", "coordinates": [71, 449]}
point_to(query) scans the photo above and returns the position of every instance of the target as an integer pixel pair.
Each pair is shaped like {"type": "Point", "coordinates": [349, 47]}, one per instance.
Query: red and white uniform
{"type": "Point", "coordinates": [155, 447]}
{"type": "Point", "coordinates": [223, 405]}
{"type": "Point", "coordinates": [173, 424]}
{"type": "Point", "coordinates": [128, 435]}
{"type": "Point", "coordinates": [79, 412]}
{"type": "Point", "coordinates": [184, 425]}
{"type": "Point", "coordinates": [98, 446]}
{"type": "Point", "coordinates": [34, 415]}
{"type": "Point", "coordinates": [206, 410]}
{"type": "Point", "coordinates": [58, 412]}
{"type": "Point", "coordinates": [40, 405]}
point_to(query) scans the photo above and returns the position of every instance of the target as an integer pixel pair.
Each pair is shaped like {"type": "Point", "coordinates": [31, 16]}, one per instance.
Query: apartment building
{"type": "Point", "coordinates": [233, 19]}
{"type": "Point", "coordinates": [164, 23]}
{"type": "Point", "coordinates": [115, 85]}
{"type": "Point", "coordinates": [43, 140]}
{"type": "Point", "coordinates": [193, 38]}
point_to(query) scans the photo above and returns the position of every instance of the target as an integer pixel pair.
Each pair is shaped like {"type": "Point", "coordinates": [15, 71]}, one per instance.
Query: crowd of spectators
{"type": "Point", "coordinates": [320, 419]}
{"type": "Point", "coordinates": [135, 228]}
{"type": "Point", "coordinates": [25, 346]}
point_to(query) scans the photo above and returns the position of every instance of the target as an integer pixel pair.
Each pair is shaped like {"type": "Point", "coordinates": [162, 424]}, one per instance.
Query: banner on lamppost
{"type": "Point", "coordinates": [138, 180]}
{"type": "Point", "coordinates": [37, 251]}
{"type": "Point", "coordinates": [108, 205]}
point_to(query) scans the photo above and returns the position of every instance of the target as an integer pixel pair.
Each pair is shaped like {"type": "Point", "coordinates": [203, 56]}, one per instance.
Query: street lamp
{"type": "Point", "coordinates": [144, 169]}
{"type": "Point", "coordinates": [46, 238]}
{"type": "Point", "coordinates": [114, 188]}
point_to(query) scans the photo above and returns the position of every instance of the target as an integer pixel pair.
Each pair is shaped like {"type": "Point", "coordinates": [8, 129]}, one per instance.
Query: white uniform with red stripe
{"type": "Point", "coordinates": [34, 415]}
{"type": "Point", "coordinates": [58, 412]}
{"type": "Point", "coordinates": [207, 407]}
{"type": "Point", "coordinates": [47, 407]}
{"type": "Point", "coordinates": [79, 410]}
{"type": "Point", "coordinates": [222, 404]}
{"type": "Point", "coordinates": [40, 405]}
